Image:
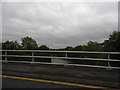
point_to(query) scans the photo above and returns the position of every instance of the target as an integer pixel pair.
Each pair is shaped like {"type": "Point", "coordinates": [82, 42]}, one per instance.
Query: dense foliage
{"type": "Point", "coordinates": [112, 44]}
{"type": "Point", "coordinates": [28, 43]}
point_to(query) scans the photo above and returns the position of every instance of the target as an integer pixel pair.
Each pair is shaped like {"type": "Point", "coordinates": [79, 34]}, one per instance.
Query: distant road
{"type": "Point", "coordinates": [74, 76]}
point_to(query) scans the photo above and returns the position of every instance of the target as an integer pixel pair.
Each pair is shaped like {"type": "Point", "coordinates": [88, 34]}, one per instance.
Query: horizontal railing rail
{"type": "Point", "coordinates": [81, 65]}
{"type": "Point", "coordinates": [66, 57]}
{"type": "Point", "coordinates": [62, 51]}
{"type": "Point", "coordinates": [114, 60]}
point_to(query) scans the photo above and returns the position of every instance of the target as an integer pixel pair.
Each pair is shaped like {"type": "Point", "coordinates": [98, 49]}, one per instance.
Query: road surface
{"type": "Point", "coordinates": [74, 76]}
{"type": "Point", "coordinates": [12, 82]}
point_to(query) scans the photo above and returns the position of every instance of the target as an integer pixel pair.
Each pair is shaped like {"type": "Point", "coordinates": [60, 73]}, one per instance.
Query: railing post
{"type": "Point", "coordinates": [66, 58]}
{"type": "Point", "coordinates": [32, 57]}
{"type": "Point", "coordinates": [109, 67]}
{"type": "Point", "coordinates": [6, 56]}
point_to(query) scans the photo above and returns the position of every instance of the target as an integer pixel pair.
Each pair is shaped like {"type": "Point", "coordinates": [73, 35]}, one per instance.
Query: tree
{"type": "Point", "coordinates": [0, 45]}
{"type": "Point", "coordinates": [11, 45]}
{"type": "Point", "coordinates": [0, 49]}
{"type": "Point", "coordinates": [78, 48]}
{"type": "Point", "coordinates": [84, 48]}
{"type": "Point", "coordinates": [114, 41]}
{"type": "Point", "coordinates": [93, 46]}
{"type": "Point", "coordinates": [106, 45]}
{"type": "Point", "coordinates": [69, 48]}
{"type": "Point", "coordinates": [29, 43]}
{"type": "Point", "coordinates": [43, 47]}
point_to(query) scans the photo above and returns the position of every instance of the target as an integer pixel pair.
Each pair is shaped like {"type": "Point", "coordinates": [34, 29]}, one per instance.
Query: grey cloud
{"type": "Point", "coordinates": [59, 24]}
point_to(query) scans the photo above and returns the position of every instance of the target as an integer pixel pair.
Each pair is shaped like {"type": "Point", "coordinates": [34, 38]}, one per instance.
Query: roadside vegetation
{"type": "Point", "coordinates": [28, 43]}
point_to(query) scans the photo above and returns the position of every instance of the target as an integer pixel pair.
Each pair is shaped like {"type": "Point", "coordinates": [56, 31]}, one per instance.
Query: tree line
{"type": "Point", "coordinates": [28, 43]}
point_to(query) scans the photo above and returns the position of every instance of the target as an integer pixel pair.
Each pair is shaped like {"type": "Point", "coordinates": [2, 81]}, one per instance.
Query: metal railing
{"type": "Point", "coordinates": [66, 57]}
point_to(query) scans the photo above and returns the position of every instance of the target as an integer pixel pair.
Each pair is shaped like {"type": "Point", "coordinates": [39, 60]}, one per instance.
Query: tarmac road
{"type": "Point", "coordinates": [9, 82]}
{"type": "Point", "coordinates": [84, 76]}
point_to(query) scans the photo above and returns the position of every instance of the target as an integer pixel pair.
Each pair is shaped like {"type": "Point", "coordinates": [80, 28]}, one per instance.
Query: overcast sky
{"type": "Point", "coordinates": [59, 24]}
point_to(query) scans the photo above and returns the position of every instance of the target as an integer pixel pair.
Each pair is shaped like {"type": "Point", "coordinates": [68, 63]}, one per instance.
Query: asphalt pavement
{"type": "Point", "coordinates": [22, 82]}
{"type": "Point", "coordinates": [84, 76]}
{"type": "Point", "coordinates": [18, 83]}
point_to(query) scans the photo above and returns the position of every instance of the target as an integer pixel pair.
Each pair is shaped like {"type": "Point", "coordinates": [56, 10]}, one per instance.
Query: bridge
{"type": "Point", "coordinates": [60, 69]}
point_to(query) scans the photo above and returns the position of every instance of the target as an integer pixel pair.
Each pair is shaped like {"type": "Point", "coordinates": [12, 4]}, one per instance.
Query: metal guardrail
{"type": "Point", "coordinates": [108, 60]}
